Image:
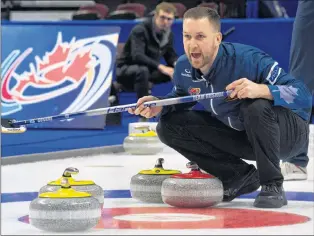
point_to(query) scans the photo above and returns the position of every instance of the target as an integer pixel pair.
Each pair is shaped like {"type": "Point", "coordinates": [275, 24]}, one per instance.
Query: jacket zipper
{"type": "Point", "coordinates": [211, 101]}
{"type": "Point", "coordinates": [206, 82]}
{"type": "Point", "coordinates": [229, 121]}
{"type": "Point", "coordinates": [212, 90]}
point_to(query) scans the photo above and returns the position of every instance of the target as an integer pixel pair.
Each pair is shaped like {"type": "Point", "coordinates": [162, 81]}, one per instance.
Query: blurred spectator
{"type": "Point", "coordinates": [301, 67]}
{"type": "Point", "coordinates": [6, 5]}
{"type": "Point", "coordinates": [226, 8]}
{"type": "Point", "coordinates": [139, 67]}
{"type": "Point", "coordinates": [271, 9]}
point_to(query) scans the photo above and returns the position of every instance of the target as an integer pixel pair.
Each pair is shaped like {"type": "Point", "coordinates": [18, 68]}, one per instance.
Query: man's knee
{"type": "Point", "coordinates": [167, 128]}
{"type": "Point", "coordinates": [162, 132]}
{"type": "Point", "coordinates": [255, 110]}
{"type": "Point", "coordinates": [142, 74]}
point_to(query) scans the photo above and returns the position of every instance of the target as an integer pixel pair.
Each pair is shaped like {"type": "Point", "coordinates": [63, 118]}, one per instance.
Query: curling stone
{"type": "Point", "coordinates": [192, 190]}
{"type": "Point", "coordinates": [143, 143]}
{"type": "Point", "coordinates": [146, 185]}
{"type": "Point", "coordinates": [65, 210]}
{"type": "Point", "coordinates": [79, 185]}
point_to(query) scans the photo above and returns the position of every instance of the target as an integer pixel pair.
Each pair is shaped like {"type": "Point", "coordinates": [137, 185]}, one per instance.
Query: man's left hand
{"type": "Point", "coordinates": [167, 70]}
{"type": "Point", "coordinates": [244, 88]}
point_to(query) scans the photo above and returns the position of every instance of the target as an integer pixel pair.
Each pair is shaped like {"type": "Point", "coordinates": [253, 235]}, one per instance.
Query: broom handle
{"type": "Point", "coordinates": [122, 108]}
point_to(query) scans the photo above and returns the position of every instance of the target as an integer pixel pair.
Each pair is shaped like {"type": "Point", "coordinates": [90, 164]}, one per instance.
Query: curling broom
{"type": "Point", "coordinates": [19, 126]}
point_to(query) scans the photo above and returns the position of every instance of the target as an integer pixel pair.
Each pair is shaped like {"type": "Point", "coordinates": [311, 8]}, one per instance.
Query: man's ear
{"type": "Point", "coordinates": [218, 38]}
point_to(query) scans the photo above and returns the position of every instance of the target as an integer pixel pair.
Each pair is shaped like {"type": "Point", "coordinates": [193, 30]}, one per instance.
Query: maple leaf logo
{"type": "Point", "coordinates": [287, 93]}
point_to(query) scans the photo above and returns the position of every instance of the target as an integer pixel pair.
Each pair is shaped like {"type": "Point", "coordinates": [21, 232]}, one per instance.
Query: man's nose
{"type": "Point", "coordinates": [193, 44]}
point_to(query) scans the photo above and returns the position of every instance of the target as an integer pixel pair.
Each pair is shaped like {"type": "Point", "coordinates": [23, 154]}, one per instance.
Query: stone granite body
{"type": "Point", "coordinates": [192, 193]}
{"type": "Point", "coordinates": [142, 145]}
{"type": "Point", "coordinates": [64, 214]}
{"type": "Point", "coordinates": [147, 188]}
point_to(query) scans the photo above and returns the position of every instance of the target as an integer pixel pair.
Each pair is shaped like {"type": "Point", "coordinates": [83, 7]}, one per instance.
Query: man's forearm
{"type": "Point", "coordinates": [265, 92]}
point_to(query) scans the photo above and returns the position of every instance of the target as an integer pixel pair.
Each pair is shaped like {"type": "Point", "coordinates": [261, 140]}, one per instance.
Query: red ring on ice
{"type": "Point", "coordinates": [209, 218]}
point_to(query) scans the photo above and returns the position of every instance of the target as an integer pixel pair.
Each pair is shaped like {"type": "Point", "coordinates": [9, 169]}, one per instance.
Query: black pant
{"type": "Point", "coordinates": [137, 78]}
{"type": "Point", "coordinates": [271, 133]}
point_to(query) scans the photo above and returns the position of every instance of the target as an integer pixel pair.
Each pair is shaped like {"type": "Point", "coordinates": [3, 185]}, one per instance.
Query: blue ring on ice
{"type": "Point", "coordinates": [29, 196]}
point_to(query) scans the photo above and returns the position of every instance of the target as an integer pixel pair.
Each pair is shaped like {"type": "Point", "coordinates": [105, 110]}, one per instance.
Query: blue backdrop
{"type": "Point", "coordinates": [271, 35]}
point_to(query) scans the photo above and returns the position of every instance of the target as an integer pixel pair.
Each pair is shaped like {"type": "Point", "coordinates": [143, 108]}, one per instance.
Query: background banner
{"type": "Point", "coordinates": [54, 68]}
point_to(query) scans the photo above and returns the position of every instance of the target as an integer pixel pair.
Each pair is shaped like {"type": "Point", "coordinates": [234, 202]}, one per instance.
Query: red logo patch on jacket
{"type": "Point", "coordinates": [194, 91]}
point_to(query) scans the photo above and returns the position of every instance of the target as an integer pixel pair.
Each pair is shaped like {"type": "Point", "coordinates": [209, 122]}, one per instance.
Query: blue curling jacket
{"type": "Point", "coordinates": [235, 61]}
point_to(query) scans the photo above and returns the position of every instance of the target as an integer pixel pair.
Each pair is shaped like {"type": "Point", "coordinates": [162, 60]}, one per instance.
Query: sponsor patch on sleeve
{"type": "Point", "coordinates": [274, 73]}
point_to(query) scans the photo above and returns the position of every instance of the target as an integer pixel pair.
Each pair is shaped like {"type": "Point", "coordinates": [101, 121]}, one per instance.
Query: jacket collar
{"type": "Point", "coordinates": [165, 35]}
{"type": "Point", "coordinates": [198, 75]}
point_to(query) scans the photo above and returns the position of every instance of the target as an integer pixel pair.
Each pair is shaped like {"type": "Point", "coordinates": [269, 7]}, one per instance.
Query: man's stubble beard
{"type": "Point", "coordinates": [205, 61]}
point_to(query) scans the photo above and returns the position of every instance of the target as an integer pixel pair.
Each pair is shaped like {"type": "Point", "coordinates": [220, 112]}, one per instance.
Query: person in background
{"type": "Point", "coordinates": [139, 66]}
{"type": "Point", "coordinates": [301, 67]}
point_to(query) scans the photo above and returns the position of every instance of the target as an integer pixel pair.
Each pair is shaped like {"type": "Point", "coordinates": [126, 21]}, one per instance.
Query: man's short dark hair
{"type": "Point", "coordinates": [204, 12]}
{"type": "Point", "coordinates": [166, 7]}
